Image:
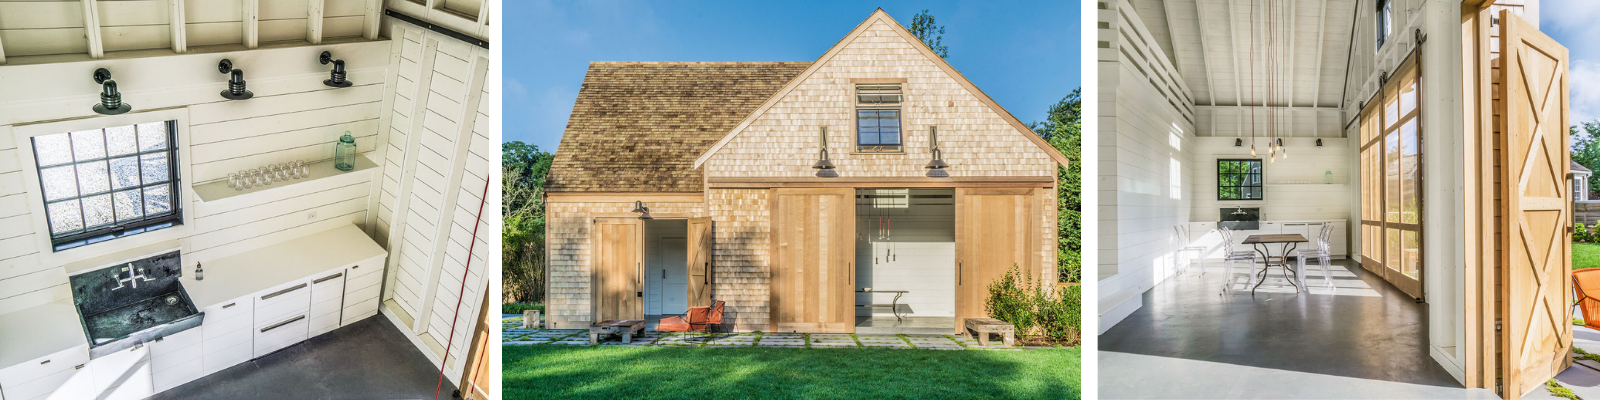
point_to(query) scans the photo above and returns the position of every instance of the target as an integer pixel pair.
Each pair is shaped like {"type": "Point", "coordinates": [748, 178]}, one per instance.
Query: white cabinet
{"type": "Point", "coordinates": [123, 375]}
{"type": "Point", "coordinates": [327, 300]}
{"type": "Point", "coordinates": [226, 335]}
{"type": "Point", "coordinates": [280, 317]}
{"type": "Point", "coordinates": [363, 283]}
{"type": "Point", "coordinates": [176, 359]}
{"type": "Point", "coordinates": [64, 374]}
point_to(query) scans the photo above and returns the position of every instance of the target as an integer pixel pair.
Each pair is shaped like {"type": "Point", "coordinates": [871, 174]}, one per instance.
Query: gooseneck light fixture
{"type": "Point", "coordinates": [933, 144]}
{"type": "Point", "coordinates": [110, 100]}
{"type": "Point", "coordinates": [236, 90]}
{"type": "Point", "coordinates": [337, 77]}
{"type": "Point", "coordinates": [824, 166]}
{"type": "Point", "coordinates": [639, 208]}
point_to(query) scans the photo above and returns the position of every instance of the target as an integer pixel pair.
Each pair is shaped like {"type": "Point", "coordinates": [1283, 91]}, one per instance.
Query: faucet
{"type": "Point", "coordinates": [1237, 210]}
{"type": "Point", "coordinates": [134, 276]}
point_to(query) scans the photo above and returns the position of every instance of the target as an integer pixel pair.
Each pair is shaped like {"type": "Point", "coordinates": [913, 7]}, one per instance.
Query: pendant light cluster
{"type": "Point", "coordinates": [1273, 17]}
{"type": "Point", "coordinates": [111, 99]}
{"type": "Point", "coordinates": [935, 167]}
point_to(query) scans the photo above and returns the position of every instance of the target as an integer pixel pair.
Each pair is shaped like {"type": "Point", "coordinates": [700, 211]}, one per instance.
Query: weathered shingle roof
{"type": "Point", "coordinates": [1578, 168]}
{"type": "Point", "coordinates": [638, 126]}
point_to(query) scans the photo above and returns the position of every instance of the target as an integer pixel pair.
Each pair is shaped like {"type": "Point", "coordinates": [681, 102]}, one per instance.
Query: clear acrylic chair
{"type": "Point", "coordinates": [1229, 256]}
{"type": "Point", "coordinates": [1322, 254]}
{"type": "Point", "coordinates": [1186, 246]}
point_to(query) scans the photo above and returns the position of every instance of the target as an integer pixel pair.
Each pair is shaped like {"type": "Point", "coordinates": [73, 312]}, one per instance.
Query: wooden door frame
{"type": "Point", "coordinates": [1412, 64]}
{"type": "Point", "coordinates": [1480, 339]}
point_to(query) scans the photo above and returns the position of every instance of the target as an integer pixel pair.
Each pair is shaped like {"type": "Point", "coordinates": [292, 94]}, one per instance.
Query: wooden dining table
{"type": "Point", "coordinates": [1260, 243]}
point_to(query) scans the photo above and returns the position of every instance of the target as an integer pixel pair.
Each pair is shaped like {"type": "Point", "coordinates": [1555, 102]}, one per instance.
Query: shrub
{"type": "Point", "coordinates": [1584, 234]}
{"type": "Point", "coordinates": [518, 308]}
{"type": "Point", "coordinates": [1035, 310]}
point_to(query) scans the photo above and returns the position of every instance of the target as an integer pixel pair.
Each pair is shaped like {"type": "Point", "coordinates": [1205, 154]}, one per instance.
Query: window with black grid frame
{"type": "Point", "coordinates": [1239, 179]}
{"type": "Point", "coordinates": [101, 184]}
{"type": "Point", "coordinates": [878, 118]}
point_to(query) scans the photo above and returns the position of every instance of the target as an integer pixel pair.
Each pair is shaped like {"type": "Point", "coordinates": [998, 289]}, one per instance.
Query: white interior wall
{"type": "Point", "coordinates": [1145, 166]}
{"type": "Point", "coordinates": [292, 117]}
{"type": "Point", "coordinates": [666, 272]}
{"type": "Point", "coordinates": [923, 240]}
{"type": "Point", "coordinates": [1294, 188]}
{"type": "Point", "coordinates": [428, 206]}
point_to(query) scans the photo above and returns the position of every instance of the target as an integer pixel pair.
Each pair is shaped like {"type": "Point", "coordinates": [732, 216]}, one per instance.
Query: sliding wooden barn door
{"type": "Point", "coordinates": [996, 228]}
{"type": "Point", "coordinates": [618, 276]}
{"type": "Point", "coordinates": [813, 260]}
{"type": "Point", "coordinates": [1391, 180]}
{"type": "Point", "coordinates": [1537, 207]}
{"type": "Point", "coordinates": [699, 262]}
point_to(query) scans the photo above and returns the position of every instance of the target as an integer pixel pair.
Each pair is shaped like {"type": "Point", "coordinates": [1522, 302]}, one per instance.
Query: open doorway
{"type": "Point", "coordinates": [906, 252]}
{"type": "Point", "coordinates": [666, 273]}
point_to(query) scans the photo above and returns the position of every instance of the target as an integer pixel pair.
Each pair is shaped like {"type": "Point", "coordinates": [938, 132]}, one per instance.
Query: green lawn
{"type": "Point", "coordinates": [539, 372]}
{"type": "Point", "coordinates": [1585, 255]}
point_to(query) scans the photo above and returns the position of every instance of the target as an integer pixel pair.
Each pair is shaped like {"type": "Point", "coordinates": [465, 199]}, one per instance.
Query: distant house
{"type": "Point", "coordinates": [789, 189]}
{"type": "Point", "coordinates": [1580, 181]}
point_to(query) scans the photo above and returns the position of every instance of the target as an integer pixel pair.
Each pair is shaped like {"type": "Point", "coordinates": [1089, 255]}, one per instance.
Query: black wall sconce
{"type": "Point", "coordinates": [1319, 143]}
{"type": "Point", "coordinates": [236, 90]}
{"type": "Point", "coordinates": [1238, 142]}
{"type": "Point", "coordinates": [110, 100]}
{"type": "Point", "coordinates": [639, 208]}
{"type": "Point", "coordinates": [937, 165]}
{"type": "Point", "coordinates": [336, 79]}
{"type": "Point", "coordinates": [824, 166]}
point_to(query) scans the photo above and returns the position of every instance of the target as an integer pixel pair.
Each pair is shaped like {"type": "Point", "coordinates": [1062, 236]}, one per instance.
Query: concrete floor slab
{"type": "Point", "coordinates": [1188, 340]}
{"type": "Point", "coordinates": [336, 365]}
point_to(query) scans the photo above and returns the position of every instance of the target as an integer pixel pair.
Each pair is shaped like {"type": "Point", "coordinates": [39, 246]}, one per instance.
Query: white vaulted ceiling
{"type": "Point", "coordinates": [1211, 42]}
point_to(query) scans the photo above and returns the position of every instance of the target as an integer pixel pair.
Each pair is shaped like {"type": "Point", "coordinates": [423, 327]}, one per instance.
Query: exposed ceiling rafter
{"type": "Point", "coordinates": [91, 28]}
{"type": "Point", "coordinates": [176, 17]}
{"type": "Point", "coordinates": [314, 21]}
{"type": "Point", "coordinates": [251, 18]}
{"type": "Point", "coordinates": [1322, 29]}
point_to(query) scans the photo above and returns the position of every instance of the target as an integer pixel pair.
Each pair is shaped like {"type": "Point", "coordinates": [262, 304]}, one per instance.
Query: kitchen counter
{"type": "Point", "coordinates": [252, 271]}
{"type": "Point", "coordinates": [39, 331]}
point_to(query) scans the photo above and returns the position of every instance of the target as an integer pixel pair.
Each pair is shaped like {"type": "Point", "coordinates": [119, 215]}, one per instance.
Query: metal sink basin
{"type": "Point", "coordinates": [1240, 218]}
{"type": "Point", "coordinates": [125, 305]}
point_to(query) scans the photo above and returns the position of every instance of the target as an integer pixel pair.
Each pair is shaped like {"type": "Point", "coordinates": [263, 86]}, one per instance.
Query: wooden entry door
{"type": "Point", "coordinates": [1537, 207]}
{"type": "Point", "coordinates": [1391, 180]}
{"type": "Point", "coordinates": [699, 263]}
{"type": "Point", "coordinates": [813, 261]}
{"type": "Point", "coordinates": [996, 228]}
{"type": "Point", "coordinates": [618, 276]}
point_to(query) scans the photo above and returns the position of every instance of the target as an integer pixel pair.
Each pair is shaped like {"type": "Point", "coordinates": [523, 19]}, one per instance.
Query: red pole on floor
{"type": "Point", "coordinates": [461, 295]}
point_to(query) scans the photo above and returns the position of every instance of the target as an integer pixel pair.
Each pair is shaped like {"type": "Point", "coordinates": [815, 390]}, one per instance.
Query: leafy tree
{"type": "Point", "coordinates": [522, 207]}
{"type": "Point", "coordinates": [1064, 130]}
{"type": "Point", "coordinates": [923, 28]}
{"type": "Point", "coordinates": [1586, 149]}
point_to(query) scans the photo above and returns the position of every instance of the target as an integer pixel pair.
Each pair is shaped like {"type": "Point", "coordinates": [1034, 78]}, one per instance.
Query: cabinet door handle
{"type": "Point", "coordinates": [327, 278]}
{"type": "Point", "coordinates": [230, 305]}
{"type": "Point", "coordinates": [80, 366]}
{"type": "Point", "coordinates": [44, 362]}
{"type": "Point", "coordinates": [275, 326]}
{"type": "Point", "coordinates": [282, 292]}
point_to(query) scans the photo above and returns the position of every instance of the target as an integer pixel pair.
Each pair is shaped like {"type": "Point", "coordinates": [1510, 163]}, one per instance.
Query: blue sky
{"type": "Point", "coordinates": [1572, 23]}
{"type": "Point", "coordinates": [1025, 56]}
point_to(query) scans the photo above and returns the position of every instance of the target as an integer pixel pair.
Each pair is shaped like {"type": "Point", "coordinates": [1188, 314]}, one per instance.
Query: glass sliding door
{"type": "Point", "coordinates": [1391, 181]}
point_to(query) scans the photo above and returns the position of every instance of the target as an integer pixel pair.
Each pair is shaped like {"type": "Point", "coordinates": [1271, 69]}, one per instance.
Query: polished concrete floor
{"type": "Point", "coordinates": [1188, 341]}
{"type": "Point", "coordinates": [370, 359]}
{"type": "Point", "coordinates": [906, 324]}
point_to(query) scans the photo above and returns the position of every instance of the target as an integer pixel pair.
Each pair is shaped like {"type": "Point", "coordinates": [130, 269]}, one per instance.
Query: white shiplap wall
{"type": "Point", "coordinates": [1145, 162]}
{"type": "Point", "coordinates": [1294, 186]}
{"type": "Point", "coordinates": [292, 117]}
{"type": "Point", "coordinates": [923, 240]}
{"type": "Point", "coordinates": [442, 140]}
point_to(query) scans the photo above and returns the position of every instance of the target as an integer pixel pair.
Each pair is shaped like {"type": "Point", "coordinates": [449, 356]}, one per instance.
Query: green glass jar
{"type": "Point", "coordinates": [344, 153]}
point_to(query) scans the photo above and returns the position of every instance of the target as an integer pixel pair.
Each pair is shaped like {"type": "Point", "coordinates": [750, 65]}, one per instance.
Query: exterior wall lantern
{"type": "Point", "coordinates": [824, 166]}
{"type": "Point", "coordinates": [937, 165]}
{"type": "Point", "coordinates": [639, 208]}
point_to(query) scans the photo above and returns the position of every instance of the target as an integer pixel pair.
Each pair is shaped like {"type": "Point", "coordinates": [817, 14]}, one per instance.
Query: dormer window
{"type": "Point", "coordinates": [878, 118]}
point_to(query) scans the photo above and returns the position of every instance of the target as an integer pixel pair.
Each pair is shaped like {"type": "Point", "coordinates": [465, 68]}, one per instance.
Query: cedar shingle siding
{"type": "Point", "coordinates": [638, 126]}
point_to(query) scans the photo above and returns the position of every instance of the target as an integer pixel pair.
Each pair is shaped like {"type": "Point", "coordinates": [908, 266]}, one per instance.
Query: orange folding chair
{"type": "Point", "coordinates": [699, 319]}
{"type": "Point", "coordinates": [1585, 281]}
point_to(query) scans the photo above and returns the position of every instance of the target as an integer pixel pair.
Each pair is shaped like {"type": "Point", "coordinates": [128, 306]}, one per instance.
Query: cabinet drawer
{"type": "Point", "coordinates": [324, 323]}
{"type": "Point", "coordinates": [278, 335]}
{"type": "Point", "coordinates": [173, 358]}
{"type": "Point", "coordinates": [72, 383]}
{"type": "Point", "coordinates": [330, 306]}
{"type": "Point", "coordinates": [175, 375]}
{"type": "Point", "coordinates": [359, 311]}
{"type": "Point", "coordinates": [175, 342]}
{"type": "Point", "coordinates": [364, 295]}
{"type": "Point", "coordinates": [223, 357]}
{"type": "Point", "coordinates": [356, 283]}
{"type": "Point", "coordinates": [124, 374]}
{"type": "Point", "coordinates": [221, 331]}
{"type": "Point", "coordinates": [365, 268]}
{"type": "Point", "coordinates": [327, 287]}
{"type": "Point", "coordinates": [44, 366]}
{"type": "Point", "coordinates": [229, 309]}
{"type": "Point", "coordinates": [273, 306]}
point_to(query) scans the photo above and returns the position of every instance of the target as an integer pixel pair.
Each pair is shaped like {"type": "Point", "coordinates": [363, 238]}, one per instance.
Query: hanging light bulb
{"type": "Point", "coordinates": [1252, 149]}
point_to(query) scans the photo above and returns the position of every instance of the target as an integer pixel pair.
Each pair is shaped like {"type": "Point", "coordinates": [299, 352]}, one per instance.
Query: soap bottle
{"type": "Point", "coordinates": [199, 273]}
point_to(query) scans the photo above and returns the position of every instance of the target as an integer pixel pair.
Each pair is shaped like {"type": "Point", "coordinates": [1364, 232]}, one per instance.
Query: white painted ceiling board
{"type": "Point", "coordinates": [40, 15]}
{"type": "Point", "coordinates": [283, 9]}
{"type": "Point", "coordinates": [133, 12]}
{"type": "Point", "coordinates": [140, 37]}
{"type": "Point", "coordinates": [343, 8]}
{"type": "Point", "coordinates": [33, 42]}
{"type": "Point", "coordinates": [283, 30]}
{"type": "Point", "coordinates": [201, 11]}
{"type": "Point", "coordinates": [348, 26]}
{"type": "Point", "coordinates": [214, 33]}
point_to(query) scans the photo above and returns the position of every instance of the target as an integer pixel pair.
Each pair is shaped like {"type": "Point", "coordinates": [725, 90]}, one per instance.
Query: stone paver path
{"type": "Point", "coordinates": [513, 334]}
